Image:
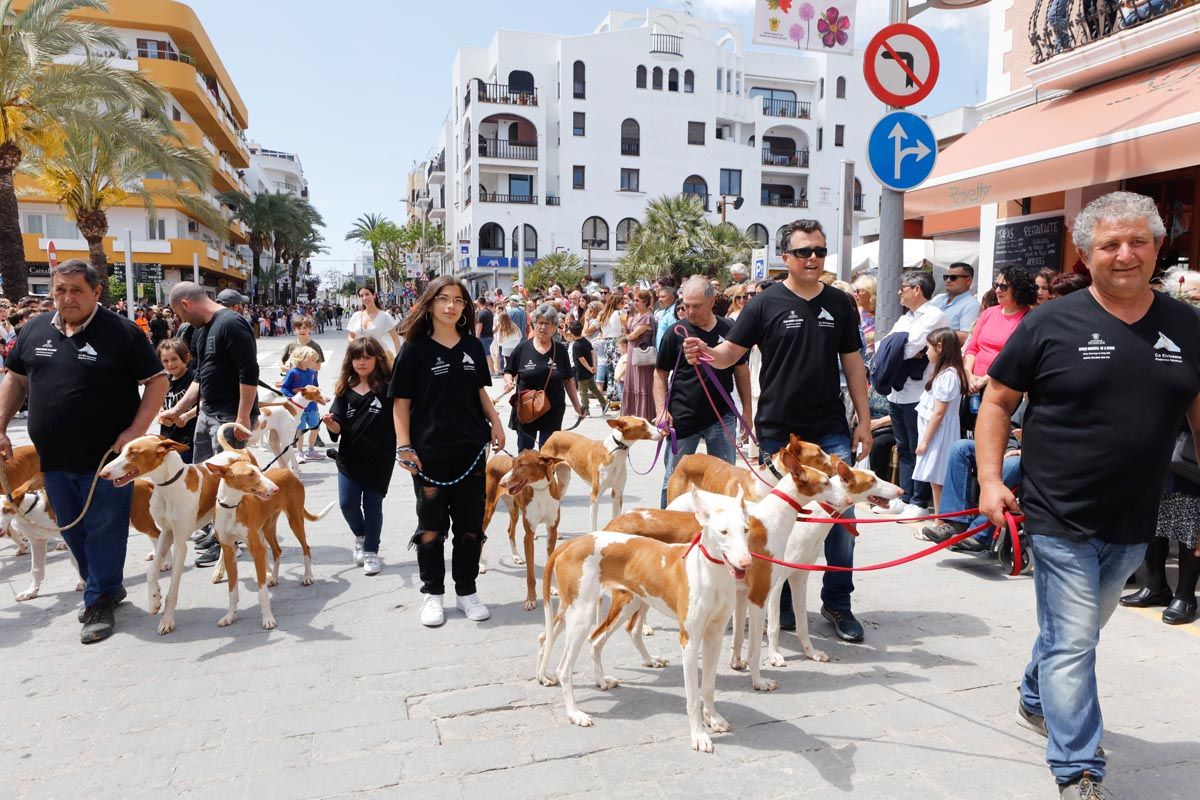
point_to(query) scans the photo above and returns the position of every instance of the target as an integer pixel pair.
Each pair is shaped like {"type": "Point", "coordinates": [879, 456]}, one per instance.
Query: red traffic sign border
{"type": "Point", "coordinates": [879, 42]}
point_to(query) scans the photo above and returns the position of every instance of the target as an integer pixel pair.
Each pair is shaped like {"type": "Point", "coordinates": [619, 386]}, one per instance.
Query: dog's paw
{"type": "Point", "coordinates": [764, 685]}
{"type": "Point", "coordinates": [166, 625]}
{"type": "Point", "coordinates": [28, 594]}
{"type": "Point", "coordinates": [482, 567]}
{"type": "Point", "coordinates": [816, 655]}
{"type": "Point", "coordinates": [738, 663]}
{"type": "Point", "coordinates": [58, 548]}
{"type": "Point", "coordinates": [155, 603]}
{"type": "Point", "coordinates": [776, 660]}
{"type": "Point", "coordinates": [307, 580]}
{"type": "Point", "coordinates": [227, 620]}
{"type": "Point", "coordinates": [607, 682]}
{"type": "Point", "coordinates": [529, 605]}
{"type": "Point", "coordinates": [548, 680]}
{"type": "Point", "coordinates": [517, 560]}
{"type": "Point", "coordinates": [655, 663]}
{"type": "Point", "coordinates": [554, 591]}
{"type": "Point", "coordinates": [701, 742]}
{"type": "Point", "coordinates": [165, 566]}
{"type": "Point", "coordinates": [716, 723]}
{"type": "Point", "coordinates": [647, 630]}
{"type": "Point", "coordinates": [581, 719]}
{"type": "Point", "coordinates": [80, 585]}
{"type": "Point", "coordinates": [150, 556]}
{"type": "Point", "coordinates": [268, 623]}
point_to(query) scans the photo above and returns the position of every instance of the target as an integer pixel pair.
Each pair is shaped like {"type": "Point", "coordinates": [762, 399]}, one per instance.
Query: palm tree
{"type": "Point", "coordinates": [262, 215]}
{"type": "Point", "coordinates": [366, 230]}
{"type": "Point", "coordinates": [265, 277]}
{"type": "Point", "coordinates": [99, 164]}
{"type": "Point", "coordinates": [723, 244]}
{"type": "Point", "coordinates": [296, 235]}
{"type": "Point", "coordinates": [39, 95]}
{"type": "Point", "coordinates": [559, 267]}
{"type": "Point", "coordinates": [675, 239]}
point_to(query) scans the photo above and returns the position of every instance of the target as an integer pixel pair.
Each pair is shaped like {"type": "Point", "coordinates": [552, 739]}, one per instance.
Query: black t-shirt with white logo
{"type": "Point", "coordinates": [365, 453]}
{"type": "Point", "coordinates": [1106, 402]}
{"type": "Point", "coordinates": [582, 348]}
{"type": "Point", "coordinates": [83, 389]}
{"type": "Point", "coordinates": [447, 423]}
{"type": "Point", "coordinates": [801, 343]}
{"type": "Point", "coordinates": [226, 358]}
{"type": "Point", "coordinates": [184, 434]}
{"type": "Point", "coordinates": [691, 411]}
{"type": "Point", "coordinates": [531, 369]}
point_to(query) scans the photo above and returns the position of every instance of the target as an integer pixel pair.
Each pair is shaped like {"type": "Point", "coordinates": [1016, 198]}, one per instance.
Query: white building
{"type": "Point", "coordinates": [275, 171]}
{"type": "Point", "coordinates": [558, 142]}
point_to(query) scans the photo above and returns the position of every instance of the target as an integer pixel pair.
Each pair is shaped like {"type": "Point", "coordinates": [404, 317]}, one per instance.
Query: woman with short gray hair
{"type": "Point", "coordinates": [540, 364]}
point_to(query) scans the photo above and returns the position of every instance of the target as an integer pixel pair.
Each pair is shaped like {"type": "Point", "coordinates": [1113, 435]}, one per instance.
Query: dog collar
{"type": "Point", "coordinates": [300, 406]}
{"type": "Point", "coordinates": [620, 445]}
{"type": "Point", "coordinates": [223, 504]}
{"type": "Point", "coordinates": [36, 498]}
{"type": "Point", "coordinates": [771, 467]}
{"type": "Point", "coordinates": [178, 475]}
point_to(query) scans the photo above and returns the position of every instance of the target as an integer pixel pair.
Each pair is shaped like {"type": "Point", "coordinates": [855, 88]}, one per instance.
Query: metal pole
{"type": "Point", "coordinates": [129, 273]}
{"type": "Point", "coordinates": [891, 234]}
{"type": "Point", "coordinates": [844, 245]}
{"type": "Point", "coordinates": [521, 254]}
{"type": "Point", "coordinates": [196, 268]}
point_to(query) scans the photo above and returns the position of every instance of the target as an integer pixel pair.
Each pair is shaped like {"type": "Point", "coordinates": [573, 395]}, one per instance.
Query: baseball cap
{"type": "Point", "coordinates": [229, 297]}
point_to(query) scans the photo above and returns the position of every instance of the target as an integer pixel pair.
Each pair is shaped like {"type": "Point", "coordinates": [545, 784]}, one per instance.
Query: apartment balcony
{"type": "Point", "coordinates": [187, 86]}
{"type": "Point", "coordinates": [553, 200]}
{"type": "Point", "coordinates": [579, 90]}
{"type": "Point", "coordinates": [777, 158]}
{"type": "Point", "coordinates": [467, 197]}
{"type": "Point", "coordinates": [501, 148]}
{"type": "Point", "coordinates": [1083, 49]}
{"type": "Point", "coordinates": [504, 95]}
{"type": "Point", "coordinates": [164, 55]}
{"type": "Point", "coordinates": [631, 147]}
{"type": "Point", "coordinates": [788, 109]}
{"type": "Point", "coordinates": [436, 172]}
{"type": "Point", "coordinates": [665, 44]}
{"type": "Point", "coordinates": [520, 199]}
{"type": "Point", "coordinates": [776, 201]}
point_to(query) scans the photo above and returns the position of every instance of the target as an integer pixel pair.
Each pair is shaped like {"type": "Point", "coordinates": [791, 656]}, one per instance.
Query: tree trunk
{"type": "Point", "coordinates": [12, 247]}
{"type": "Point", "coordinates": [294, 272]}
{"type": "Point", "coordinates": [94, 227]}
{"type": "Point", "coordinates": [256, 247]}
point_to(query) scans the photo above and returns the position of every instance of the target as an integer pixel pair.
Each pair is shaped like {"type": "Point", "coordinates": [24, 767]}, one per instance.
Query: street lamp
{"type": "Point", "coordinates": [724, 203]}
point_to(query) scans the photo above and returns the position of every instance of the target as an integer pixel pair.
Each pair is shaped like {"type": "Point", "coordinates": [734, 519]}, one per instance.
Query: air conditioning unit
{"type": "Point", "coordinates": [193, 226]}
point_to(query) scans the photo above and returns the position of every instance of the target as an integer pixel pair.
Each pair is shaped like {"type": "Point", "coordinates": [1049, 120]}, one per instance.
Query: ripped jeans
{"type": "Point", "coordinates": [437, 507]}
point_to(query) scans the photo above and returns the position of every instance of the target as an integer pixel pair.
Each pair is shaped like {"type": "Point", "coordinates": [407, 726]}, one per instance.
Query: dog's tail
{"type": "Point", "coordinates": [311, 517]}
{"type": "Point", "coordinates": [223, 434]}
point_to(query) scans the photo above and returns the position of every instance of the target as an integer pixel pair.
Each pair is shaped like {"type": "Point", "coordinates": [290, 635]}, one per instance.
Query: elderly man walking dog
{"type": "Point", "coordinates": [1096, 449]}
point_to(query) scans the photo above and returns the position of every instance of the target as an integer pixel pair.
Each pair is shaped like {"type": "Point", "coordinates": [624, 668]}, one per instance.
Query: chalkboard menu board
{"type": "Point", "coordinates": [1032, 243]}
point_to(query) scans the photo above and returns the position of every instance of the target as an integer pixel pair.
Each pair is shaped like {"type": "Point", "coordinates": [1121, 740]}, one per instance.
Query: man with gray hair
{"type": "Point", "coordinates": [81, 368]}
{"type": "Point", "coordinates": [688, 410]}
{"type": "Point", "coordinates": [1111, 373]}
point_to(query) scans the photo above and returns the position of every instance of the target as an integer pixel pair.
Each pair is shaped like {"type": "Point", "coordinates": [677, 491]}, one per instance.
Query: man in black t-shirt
{"type": "Point", "coordinates": [81, 368]}
{"type": "Point", "coordinates": [1110, 372]}
{"type": "Point", "coordinates": [804, 329]}
{"type": "Point", "coordinates": [690, 413]}
{"type": "Point", "coordinates": [483, 330]}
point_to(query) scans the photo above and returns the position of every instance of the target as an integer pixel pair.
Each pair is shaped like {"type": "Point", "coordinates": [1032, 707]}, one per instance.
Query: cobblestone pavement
{"type": "Point", "coordinates": [351, 696]}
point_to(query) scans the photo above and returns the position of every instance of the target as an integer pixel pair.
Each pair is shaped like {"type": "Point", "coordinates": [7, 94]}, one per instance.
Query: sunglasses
{"type": "Point", "coordinates": [739, 298]}
{"type": "Point", "coordinates": [750, 294]}
{"type": "Point", "coordinates": [948, 278]}
{"type": "Point", "coordinates": [808, 252]}
{"type": "Point", "coordinates": [1000, 287]}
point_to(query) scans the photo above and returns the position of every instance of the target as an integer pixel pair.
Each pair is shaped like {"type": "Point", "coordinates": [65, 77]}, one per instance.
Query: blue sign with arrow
{"type": "Point", "coordinates": [902, 150]}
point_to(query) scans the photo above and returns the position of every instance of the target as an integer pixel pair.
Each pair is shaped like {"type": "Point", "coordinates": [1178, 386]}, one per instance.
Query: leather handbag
{"type": "Point", "coordinates": [1183, 458]}
{"type": "Point", "coordinates": [533, 404]}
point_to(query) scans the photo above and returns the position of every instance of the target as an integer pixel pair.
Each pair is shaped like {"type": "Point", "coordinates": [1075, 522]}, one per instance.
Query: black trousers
{"type": "Point", "coordinates": [440, 509]}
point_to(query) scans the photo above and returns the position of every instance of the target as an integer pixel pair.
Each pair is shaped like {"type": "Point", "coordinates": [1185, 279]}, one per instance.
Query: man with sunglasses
{"type": "Point", "coordinates": [957, 303]}
{"type": "Point", "coordinates": [804, 330]}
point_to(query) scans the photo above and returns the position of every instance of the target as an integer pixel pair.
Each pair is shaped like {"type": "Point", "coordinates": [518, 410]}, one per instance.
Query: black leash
{"type": "Point", "coordinates": [271, 389]}
{"type": "Point", "coordinates": [299, 433]}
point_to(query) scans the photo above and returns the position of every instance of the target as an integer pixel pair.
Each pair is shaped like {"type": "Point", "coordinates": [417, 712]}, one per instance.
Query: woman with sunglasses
{"type": "Point", "coordinates": [1016, 292]}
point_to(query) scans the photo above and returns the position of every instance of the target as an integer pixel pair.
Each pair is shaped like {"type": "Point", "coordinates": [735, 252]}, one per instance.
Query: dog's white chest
{"type": "Point", "coordinates": [543, 508]}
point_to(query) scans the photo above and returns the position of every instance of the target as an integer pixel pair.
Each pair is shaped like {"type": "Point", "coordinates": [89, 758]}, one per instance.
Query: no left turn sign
{"type": "Point", "coordinates": [901, 65]}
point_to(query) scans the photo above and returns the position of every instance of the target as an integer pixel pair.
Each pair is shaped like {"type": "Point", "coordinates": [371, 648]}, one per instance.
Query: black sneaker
{"type": "Point", "coordinates": [845, 624]}
{"type": "Point", "coordinates": [206, 542]}
{"type": "Point", "coordinates": [206, 558]}
{"type": "Point", "coordinates": [970, 545]}
{"type": "Point", "coordinates": [116, 599]}
{"type": "Point", "coordinates": [943, 530]}
{"type": "Point", "coordinates": [99, 620]}
{"type": "Point", "coordinates": [1037, 723]}
{"type": "Point", "coordinates": [1085, 788]}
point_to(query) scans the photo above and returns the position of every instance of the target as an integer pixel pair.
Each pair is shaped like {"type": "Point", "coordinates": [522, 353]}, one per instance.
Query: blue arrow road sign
{"type": "Point", "coordinates": [902, 150]}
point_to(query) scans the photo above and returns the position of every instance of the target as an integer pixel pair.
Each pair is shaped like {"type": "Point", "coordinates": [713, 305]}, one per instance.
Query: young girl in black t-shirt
{"type": "Point", "coordinates": [176, 358]}
{"type": "Point", "coordinates": [361, 414]}
{"type": "Point", "coordinates": [444, 421]}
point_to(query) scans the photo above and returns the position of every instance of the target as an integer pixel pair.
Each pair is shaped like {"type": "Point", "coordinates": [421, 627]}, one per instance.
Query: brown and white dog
{"type": "Point", "coordinates": [29, 525]}
{"type": "Point", "coordinates": [23, 467]}
{"type": "Point", "coordinates": [602, 464]}
{"type": "Point", "coordinates": [719, 477]}
{"type": "Point", "coordinates": [278, 422]}
{"type": "Point", "coordinates": [249, 503]}
{"type": "Point", "coordinates": [696, 586]}
{"type": "Point", "coordinates": [532, 486]}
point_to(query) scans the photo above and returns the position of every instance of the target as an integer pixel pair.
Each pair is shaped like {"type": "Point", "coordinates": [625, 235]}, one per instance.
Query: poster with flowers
{"type": "Point", "coordinates": [805, 25]}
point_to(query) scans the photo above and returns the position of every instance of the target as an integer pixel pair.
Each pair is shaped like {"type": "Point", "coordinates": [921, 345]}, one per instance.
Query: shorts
{"type": "Point", "coordinates": [309, 419]}
{"type": "Point", "coordinates": [487, 345]}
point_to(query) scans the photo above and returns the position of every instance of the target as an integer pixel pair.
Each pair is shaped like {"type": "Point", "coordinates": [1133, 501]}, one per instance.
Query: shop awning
{"type": "Point", "coordinates": [1141, 124]}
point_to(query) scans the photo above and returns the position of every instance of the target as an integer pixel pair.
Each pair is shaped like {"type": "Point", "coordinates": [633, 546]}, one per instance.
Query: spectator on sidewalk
{"type": "Point", "coordinates": [957, 302]}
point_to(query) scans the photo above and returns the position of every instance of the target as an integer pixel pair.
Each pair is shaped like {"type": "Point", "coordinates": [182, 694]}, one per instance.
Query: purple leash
{"type": "Point", "coordinates": [667, 430]}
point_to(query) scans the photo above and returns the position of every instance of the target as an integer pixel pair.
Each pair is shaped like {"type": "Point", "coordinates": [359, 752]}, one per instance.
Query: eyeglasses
{"type": "Point", "coordinates": [739, 298]}
{"type": "Point", "coordinates": [808, 252]}
{"type": "Point", "coordinates": [541, 323]}
{"type": "Point", "coordinates": [750, 294]}
{"type": "Point", "coordinates": [447, 300]}
{"type": "Point", "coordinates": [948, 277]}
{"type": "Point", "coordinates": [1001, 287]}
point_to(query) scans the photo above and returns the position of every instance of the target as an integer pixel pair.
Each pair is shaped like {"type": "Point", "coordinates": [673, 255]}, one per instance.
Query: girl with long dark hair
{"type": "Point", "coordinates": [937, 410]}
{"type": "Point", "coordinates": [444, 420]}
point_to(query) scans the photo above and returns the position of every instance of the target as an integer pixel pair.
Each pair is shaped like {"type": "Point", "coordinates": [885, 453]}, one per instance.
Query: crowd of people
{"type": "Point", "coordinates": [1029, 387]}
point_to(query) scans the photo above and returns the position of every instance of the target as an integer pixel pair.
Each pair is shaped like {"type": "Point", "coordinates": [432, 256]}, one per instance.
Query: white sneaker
{"type": "Point", "coordinates": [895, 506]}
{"type": "Point", "coordinates": [358, 550]}
{"type": "Point", "coordinates": [473, 607]}
{"type": "Point", "coordinates": [911, 510]}
{"type": "Point", "coordinates": [371, 564]}
{"type": "Point", "coordinates": [432, 612]}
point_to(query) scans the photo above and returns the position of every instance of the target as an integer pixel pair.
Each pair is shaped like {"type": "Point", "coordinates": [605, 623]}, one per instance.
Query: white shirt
{"type": "Point", "coordinates": [918, 325]}
{"type": "Point", "coordinates": [361, 325]}
{"type": "Point", "coordinates": [613, 328]}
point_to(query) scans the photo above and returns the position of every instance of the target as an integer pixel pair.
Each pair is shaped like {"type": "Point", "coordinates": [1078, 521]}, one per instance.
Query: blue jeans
{"type": "Point", "coordinates": [958, 478]}
{"type": "Point", "coordinates": [904, 428]}
{"type": "Point", "coordinates": [1077, 584]}
{"type": "Point", "coordinates": [836, 587]}
{"type": "Point", "coordinates": [98, 542]}
{"type": "Point", "coordinates": [715, 442]}
{"type": "Point", "coordinates": [362, 508]}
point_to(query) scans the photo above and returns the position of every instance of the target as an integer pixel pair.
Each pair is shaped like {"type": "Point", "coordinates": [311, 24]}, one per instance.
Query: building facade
{"type": "Point", "coordinates": [166, 41]}
{"type": "Point", "coordinates": [1079, 103]}
{"type": "Point", "coordinates": [558, 142]}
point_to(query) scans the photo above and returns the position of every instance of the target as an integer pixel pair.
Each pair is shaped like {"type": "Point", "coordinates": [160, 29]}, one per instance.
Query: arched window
{"type": "Point", "coordinates": [631, 138]}
{"type": "Point", "coordinates": [641, 77]}
{"type": "Point", "coordinates": [531, 243]}
{"type": "Point", "coordinates": [491, 241]}
{"type": "Point", "coordinates": [860, 200]}
{"type": "Point", "coordinates": [625, 229]}
{"type": "Point", "coordinates": [579, 79]}
{"type": "Point", "coordinates": [673, 80]}
{"type": "Point", "coordinates": [781, 238]}
{"type": "Point", "coordinates": [689, 81]}
{"type": "Point", "coordinates": [520, 81]}
{"type": "Point", "coordinates": [841, 88]}
{"type": "Point", "coordinates": [595, 234]}
{"type": "Point", "coordinates": [657, 77]}
{"type": "Point", "coordinates": [759, 234]}
{"type": "Point", "coordinates": [697, 186]}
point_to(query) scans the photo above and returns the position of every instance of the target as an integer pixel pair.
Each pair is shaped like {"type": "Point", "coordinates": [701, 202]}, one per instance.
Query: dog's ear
{"type": "Point", "coordinates": [215, 468]}
{"type": "Point", "coordinates": [616, 424]}
{"type": "Point", "coordinates": [843, 469]}
{"type": "Point", "coordinates": [170, 444]}
{"type": "Point", "coordinates": [790, 462]}
{"type": "Point", "coordinates": [699, 508]}
{"type": "Point", "coordinates": [549, 461]}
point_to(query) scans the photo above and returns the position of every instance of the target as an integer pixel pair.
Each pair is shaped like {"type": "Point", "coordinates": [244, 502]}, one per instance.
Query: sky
{"type": "Point", "coordinates": [360, 94]}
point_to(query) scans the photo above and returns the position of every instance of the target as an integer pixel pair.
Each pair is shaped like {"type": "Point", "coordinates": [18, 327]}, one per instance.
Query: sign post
{"type": "Point", "coordinates": [129, 273]}
{"type": "Point", "coordinates": [901, 65]}
{"type": "Point", "coordinates": [52, 254]}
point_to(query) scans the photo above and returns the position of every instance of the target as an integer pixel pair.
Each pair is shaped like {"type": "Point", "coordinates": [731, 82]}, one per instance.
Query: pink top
{"type": "Point", "coordinates": [991, 332]}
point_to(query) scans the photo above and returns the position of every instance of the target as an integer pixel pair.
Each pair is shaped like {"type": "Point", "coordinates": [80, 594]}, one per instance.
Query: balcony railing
{"type": "Point", "coordinates": [525, 199]}
{"type": "Point", "coordinates": [467, 197]}
{"type": "Point", "coordinates": [786, 108]}
{"type": "Point", "coordinates": [437, 165]}
{"type": "Point", "coordinates": [775, 158]}
{"type": "Point", "coordinates": [775, 201]}
{"type": "Point", "coordinates": [860, 201]}
{"type": "Point", "coordinates": [1079, 23]}
{"type": "Point", "coordinates": [666, 44]}
{"type": "Point", "coordinates": [631, 147]}
{"type": "Point", "coordinates": [552, 200]}
{"type": "Point", "coordinates": [501, 93]}
{"type": "Point", "coordinates": [580, 90]}
{"type": "Point", "coordinates": [467, 154]}
{"type": "Point", "coordinates": [165, 55]}
{"type": "Point", "coordinates": [500, 148]}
